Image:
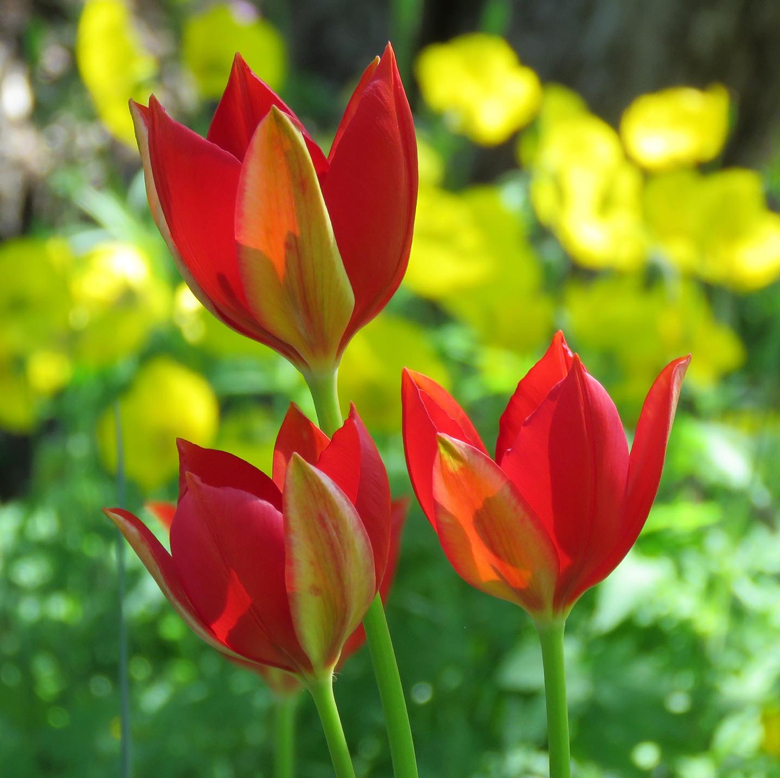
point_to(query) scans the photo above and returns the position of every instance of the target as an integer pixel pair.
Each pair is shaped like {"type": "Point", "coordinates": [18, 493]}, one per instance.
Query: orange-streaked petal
{"type": "Point", "coordinates": [290, 265]}
{"type": "Point", "coordinates": [428, 409]}
{"type": "Point", "coordinates": [553, 367]}
{"type": "Point", "coordinates": [489, 533]}
{"type": "Point", "coordinates": [297, 435]}
{"type": "Point", "coordinates": [329, 566]}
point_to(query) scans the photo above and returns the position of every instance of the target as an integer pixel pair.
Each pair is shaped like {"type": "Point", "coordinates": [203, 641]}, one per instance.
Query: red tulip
{"type": "Point", "coordinates": [562, 502]}
{"type": "Point", "coordinates": [284, 245]}
{"type": "Point", "coordinates": [276, 571]}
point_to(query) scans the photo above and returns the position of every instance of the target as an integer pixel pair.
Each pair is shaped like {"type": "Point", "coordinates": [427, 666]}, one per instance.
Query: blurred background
{"type": "Point", "coordinates": [608, 167]}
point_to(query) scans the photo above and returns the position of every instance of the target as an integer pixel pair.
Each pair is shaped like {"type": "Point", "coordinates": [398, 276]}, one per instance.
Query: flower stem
{"type": "Point", "coordinates": [284, 735]}
{"type": "Point", "coordinates": [551, 639]}
{"type": "Point", "coordinates": [322, 691]}
{"type": "Point", "coordinates": [324, 393]}
{"type": "Point", "coordinates": [391, 691]}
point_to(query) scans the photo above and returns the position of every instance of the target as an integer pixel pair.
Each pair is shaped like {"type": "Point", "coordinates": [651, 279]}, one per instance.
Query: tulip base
{"type": "Point", "coordinates": [322, 691]}
{"type": "Point", "coordinates": [551, 639]}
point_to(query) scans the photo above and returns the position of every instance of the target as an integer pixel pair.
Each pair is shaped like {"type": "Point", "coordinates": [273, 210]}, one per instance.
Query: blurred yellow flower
{"type": "Point", "coordinates": [587, 192]}
{"type": "Point", "coordinates": [370, 372]}
{"type": "Point", "coordinates": [478, 83]}
{"type": "Point", "coordinates": [770, 719]}
{"type": "Point", "coordinates": [430, 165]}
{"type": "Point", "coordinates": [48, 370]}
{"type": "Point", "coordinates": [117, 300]}
{"type": "Point", "coordinates": [213, 37]}
{"type": "Point", "coordinates": [639, 328]}
{"type": "Point", "coordinates": [249, 432]}
{"type": "Point", "coordinates": [716, 226]}
{"type": "Point", "coordinates": [166, 400]}
{"type": "Point", "coordinates": [18, 401]}
{"type": "Point", "coordinates": [113, 63]}
{"type": "Point", "coordinates": [676, 127]}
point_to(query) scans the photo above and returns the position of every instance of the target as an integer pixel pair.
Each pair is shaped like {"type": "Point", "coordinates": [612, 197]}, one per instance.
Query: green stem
{"type": "Point", "coordinates": [551, 638]}
{"type": "Point", "coordinates": [324, 392]}
{"type": "Point", "coordinates": [284, 735]}
{"type": "Point", "coordinates": [391, 691]}
{"type": "Point", "coordinates": [322, 691]}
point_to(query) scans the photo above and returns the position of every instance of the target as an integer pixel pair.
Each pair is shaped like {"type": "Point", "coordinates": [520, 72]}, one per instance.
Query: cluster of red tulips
{"type": "Point", "coordinates": [285, 573]}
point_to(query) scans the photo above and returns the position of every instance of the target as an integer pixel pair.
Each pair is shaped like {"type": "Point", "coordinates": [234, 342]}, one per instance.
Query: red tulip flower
{"type": "Point", "coordinates": [276, 571]}
{"type": "Point", "coordinates": [562, 502]}
{"type": "Point", "coordinates": [283, 244]}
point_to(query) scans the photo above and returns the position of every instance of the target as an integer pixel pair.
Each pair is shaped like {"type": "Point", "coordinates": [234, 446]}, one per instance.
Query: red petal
{"type": "Point", "coordinates": [353, 462]}
{"type": "Point", "coordinates": [329, 568]}
{"type": "Point", "coordinates": [163, 512]}
{"type": "Point", "coordinates": [491, 536]}
{"type": "Point", "coordinates": [541, 378]}
{"type": "Point", "coordinates": [647, 460]}
{"type": "Point", "coordinates": [371, 189]}
{"type": "Point", "coordinates": [297, 435]}
{"type": "Point", "coordinates": [245, 102]}
{"type": "Point", "coordinates": [228, 548]}
{"type": "Point", "coordinates": [570, 461]}
{"type": "Point", "coordinates": [160, 564]}
{"type": "Point", "coordinates": [428, 409]}
{"type": "Point", "coordinates": [218, 468]}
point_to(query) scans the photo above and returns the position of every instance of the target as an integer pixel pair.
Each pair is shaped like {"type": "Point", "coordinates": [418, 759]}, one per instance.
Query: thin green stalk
{"type": "Point", "coordinates": [284, 735]}
{"type": "Point", "coordinates": [399, 730]}
{"type": "Point", "coordinates": [124, 678]}
{"type": "Point", "coordinates": [322, 691]}
{"type": "Point", "coordinates": [551, 638]}
{"type": "Point", "coordinates": [391, 691]}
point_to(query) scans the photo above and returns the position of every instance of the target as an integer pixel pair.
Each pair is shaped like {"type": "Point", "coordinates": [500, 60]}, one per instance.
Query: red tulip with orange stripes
{"type": "Point", "coordinates": [277, 571]}
{"type": "Point", "coordinates": [561, 503]}
{"type": "Point", "coordinates": [283, 244]}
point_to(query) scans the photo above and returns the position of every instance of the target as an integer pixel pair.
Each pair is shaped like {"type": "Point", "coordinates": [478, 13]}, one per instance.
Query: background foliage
{"type": "Point", "coordinates": [639, 236]}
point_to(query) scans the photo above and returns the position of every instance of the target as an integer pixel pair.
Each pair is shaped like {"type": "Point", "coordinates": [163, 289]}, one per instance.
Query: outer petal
{"type": "Point", "coordinates": [371, 189]}
{"type": "Point", "coordinates": [491, 536]}
{"type": "Point", "coordinates": [553, 367]}
{"type": "Point", "coordinates": [245, 102]}
{"type": "Point", "coordinates": [329, 568]}
{"type": "Point", "coordinates": [295, 282]}
{"type": "Point", "coordinates": [218, 468]}
{"type": "Point", "coordinates": [570, 462]}
{"type": "Point", "coordinates": [398, 511]}
{"type": "Point", "coordinates": [353, 461]}
{"type": "Point", "coordinates": [428, 409]}
{"type": "Point", "coordinates": [159, 563]}
{"type": "Point", "coordinates": [297, 435]}
{"type": "Point", "coordinates": [646, 461]}
{"type": "Point", "coordinates": [228, 548]}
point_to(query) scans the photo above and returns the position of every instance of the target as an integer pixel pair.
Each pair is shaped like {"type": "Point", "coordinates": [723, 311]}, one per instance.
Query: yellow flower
{"type": "Point", "coordinates": [166, 400]}
{"type": "Point", "coordinates": [249, 432]}
{"type": "Point", "coordinates": [478, 83]}
{"type": "Point", "coordinates": [113, 63]}
{"type": "Point", "coordinates": [18, 401]}
{"type": "Point", "coordinates": [212, 38]}
{"type": "Point", "coordinates": [370, 372]}
{"type": "Point", "coordinates": [676, 127]}
{"type": "Point", "coordinates": [117, 300]}
{"type": "Point", "coordinates": [716, 226]}
{"type": "Point", "coordinates": [770, 719]}
{"type": "Point", "coordinates": [588, 193]}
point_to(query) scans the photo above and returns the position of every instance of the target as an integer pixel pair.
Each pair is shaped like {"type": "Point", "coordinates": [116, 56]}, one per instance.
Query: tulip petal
{"type": "Point", "coordinates": [491, 536]}
{"type": "Point", "coordinates": [245, 102]}
{"type": "Point", "coordinates": [646, 460]}
{"type": "Point", "coordinates": [160, 564]}
{"type": "Point", "coordinates": [533, 388]}
{"type": "Point", "coordinates": [162, 511]}
{"type": "Point", "coordinates": [296, 435]}
{"type": "Point", "coordinates": [329, 567]}
{"type": "Point", "coordinates": [570, 461]}
{"type": "Point", "coordinates": [353, 461]}
{"type": "Point", "coordinates": [371, 189]}
{"type": "Point", "coordinates": [219, 468]}
{"type": "Point", "coordinates": [295, 281]}
{"type": "Point", "coordinates": [228, 548]}
{"type": "Point", "coordinates": [428, 409]}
